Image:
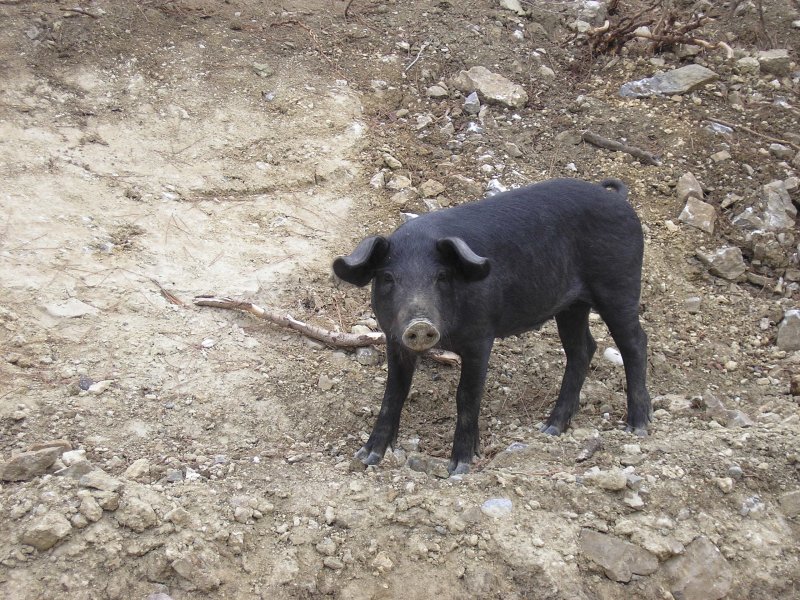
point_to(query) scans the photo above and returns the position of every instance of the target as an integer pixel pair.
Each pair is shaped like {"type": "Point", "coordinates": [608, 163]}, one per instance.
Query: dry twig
{"type": "Point", "coordinates": [601, 142]}
{"type": "Point", "coordinates": [332, 338]}
{"type": "Point", "coordinates": [764, 136]}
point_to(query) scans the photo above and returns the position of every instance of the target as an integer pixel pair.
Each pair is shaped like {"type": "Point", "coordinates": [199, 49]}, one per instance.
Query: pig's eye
{"type": "Point", "coordinates": [442, 276]}
{"type": "Point", "coordinates": [387, 278]}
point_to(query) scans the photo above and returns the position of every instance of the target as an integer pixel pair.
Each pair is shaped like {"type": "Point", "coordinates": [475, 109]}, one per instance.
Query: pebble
{"type": "Point", "coordinates": [613, 356]}
{"type": "Point", "coordinates": [138, 469]}
{"type": "Point", "coordinates": [497, 507]}
{"type": "Point", "coordinates": [325, 383]}
{"type": "Point", "coordinates": [437, 92]}
{"type": "Point", "coordinates": [721, 156]}
{"type": "Point", "coordinates": [700, 573]}
{"type": "Point", "coordinates": [790, 503]}
{"type": "Point", "coordinates": [492, 87]}
{"type": "Point", "coordinates": [677, 81]}
{"type": "Point", "coordinates": [727, 263]}
{"type": "Point", "coordinates": [789, 331]}
{"type": "Point", "coordinates": [136, 514]}
{"type": "Point", "coordinates": [619, 559]}
{"type": "Point", "coordinates": [46, 531]}
{"type": "Point", "coordinates": [100, 480]}
{"type": "Point", "coordinates": [472, 104]}
{"type": "Point", "coordinates": [612, 480]}
{"type": "Point", "coordinates": [70, 309]}
{"type": "Point", "coordinates": [699, 214]}
{"type": "Point", "coordinates": [688, 187]}
{"type": "Point", "coordinates": [27, 465]}
{"type": "Point", "coordinates": [391, 162]}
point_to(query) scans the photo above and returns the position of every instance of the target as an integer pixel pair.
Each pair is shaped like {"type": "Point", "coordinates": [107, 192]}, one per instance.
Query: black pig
{"type": "Point", "coordinates": [461, 277]}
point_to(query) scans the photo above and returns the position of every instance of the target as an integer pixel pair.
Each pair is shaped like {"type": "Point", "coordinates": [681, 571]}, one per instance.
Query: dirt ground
{"type": "Point", "coordinates": [154, 151]}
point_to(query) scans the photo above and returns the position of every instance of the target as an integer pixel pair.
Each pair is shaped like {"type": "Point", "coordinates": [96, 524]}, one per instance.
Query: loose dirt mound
{"type": "Point", "coordinates": [155, 151]}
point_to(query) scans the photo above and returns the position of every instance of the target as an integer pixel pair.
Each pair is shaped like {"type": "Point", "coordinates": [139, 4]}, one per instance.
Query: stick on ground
{"type": "Point", "coordinates": [601, 142]}
{"type": "Point", "coordinates": [332, 338]}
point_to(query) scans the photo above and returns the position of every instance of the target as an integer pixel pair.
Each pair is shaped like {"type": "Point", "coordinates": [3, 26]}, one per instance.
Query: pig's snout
{"type": "Point", "coordinates": [420, 335]}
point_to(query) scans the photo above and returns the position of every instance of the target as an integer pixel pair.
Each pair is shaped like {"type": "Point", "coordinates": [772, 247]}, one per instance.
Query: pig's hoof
{"type": "Point", "coordinates": [461, 468]}
{"type": "Point", "coordinates": [368, 457]}
{"type": "Point", "coordinates": [550, 430]}
{"type": "Point", "coordinates": [639, 431]}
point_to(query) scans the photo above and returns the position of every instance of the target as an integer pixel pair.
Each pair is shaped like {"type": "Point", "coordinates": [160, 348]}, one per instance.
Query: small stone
{"type": "Point", "coordinates": [378, 180]}
{"type": "Point", "coordinates": [136, 514]}
{"type": "Point", "coordinates": [472, 104]}
{"type": "Point", "coordinates": [619, 559]}
{"type": "Point", "coordinates": [692, 304]}
{"type": "Point", "coordinates": [98, 387]}
{"type": "Point", "coordinates": [512, 150]}
{"type": "Point", "coordinates": [678, 81]}
{"type": "Point", "coordinates": [27, 465]}
{"type": "Point", "coordinates": [263, 70]}
{"type": "Point", "coordinates": [431, 188]}
{"type": "Point", "coordinates": [725, 484]}
{"type": "Point", "coordinates": [701, 573]}
{"type": "Point", "coordinates": [491, 87]}
{"type": "Point", "coordinates": [46, 531]}
{"type": "Point", "coordinates": [179, 516]}
{"type": "Point", "coordinates": [391, 162]}
{"type": "Point", "coordinates": [89, 507]}
{"type": "Point", "coordinates": [437, 92]}
{"type": "Point", "coordinates": [613, 480]}
{"type": "Point", "coordinates": [789, 331]}
{"type": "Point", "coordinates": [73, 456]}
{"type": "Point", "coordinates": [780, 212]}
{"type": "Point", "coordinates": [327, 547]}
{"type": "Point", "coordinates": [613, 356]}
{"type": "Point", "coordinates": [781, 152]}
{"type": "Point", "coordinates": [748, 65]}
{"type": "Point", "coordinates": [195, 570]}
{"type": "Point", "coordinates": [399, 182]}
{"type": "Point", "coordinates": [514, 6]}
{"type": "Point", "coordinates": [727, 263]}
{"type": "Point", "coordinates": [70, 309]}
{"type": "Point", "coordinates": [368, 356]}
{"type": "Point", "coordinates": [546, 72]}
{"type": "Point", "coordinates": [382, 562]}
{"type": "Point", "coordinates": [699, 214]}
{"type": "Point", "coordinates": [100, 480]}
{"type": "Point", "coordinates": [325, 383]}
{"type": "Point", "coordinates": [689, 187]}
{"type": "Point", "coordinates": [790, 503]}
{"type": "Point", "coordinates": [332, 562]}
{"type": "Point", "coordinates": [138, 469]}
{"type": "Point", "coordinates": [633, 500]}
{"type": "Point", "coordinates": [720, 156]}
{"type": "Point", "coordinates": [775, 62]}
{"type": "Point", "coordinates": [497, 507]}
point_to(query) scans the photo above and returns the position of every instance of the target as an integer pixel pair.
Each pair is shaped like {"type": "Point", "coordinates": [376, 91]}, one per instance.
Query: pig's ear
{"type": "Point", "coordinates": [359, 267]}
{"type": "Point", "coordinates": [472, 266]}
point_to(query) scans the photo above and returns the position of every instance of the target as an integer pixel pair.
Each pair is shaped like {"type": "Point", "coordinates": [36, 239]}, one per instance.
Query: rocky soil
{"type": "Point", "coordinates": [151, 152]}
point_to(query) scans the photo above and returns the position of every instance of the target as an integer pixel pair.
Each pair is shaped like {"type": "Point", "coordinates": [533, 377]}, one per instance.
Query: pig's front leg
{"type": "Point", "coordinates": [466, 441]}
{"type": "Point", "coordinates": [401, 364]}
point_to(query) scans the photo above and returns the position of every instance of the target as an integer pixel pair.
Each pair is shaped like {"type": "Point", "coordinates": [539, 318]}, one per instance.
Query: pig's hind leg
{"type": "Point", "coordinates": [579, 346]}
{"type": "Point", "coordinates": [401, 365]}
{"type": "Point", "coordinates": [630, 338]}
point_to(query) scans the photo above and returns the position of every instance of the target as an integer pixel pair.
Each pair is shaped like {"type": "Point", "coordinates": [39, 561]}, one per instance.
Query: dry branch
{"type": "Point", "coordinates": [769, 138]}
{"type": "Point", "coordinates": [601, 142]}
{"type": "Point", "coordinates": [332, 338]}
{"type": "Point", "coordinates": [657, 23]}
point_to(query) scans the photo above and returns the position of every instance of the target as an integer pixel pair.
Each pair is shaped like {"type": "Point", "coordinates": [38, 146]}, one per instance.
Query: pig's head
{"type": "Point", "coordinates": [416, 282]}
